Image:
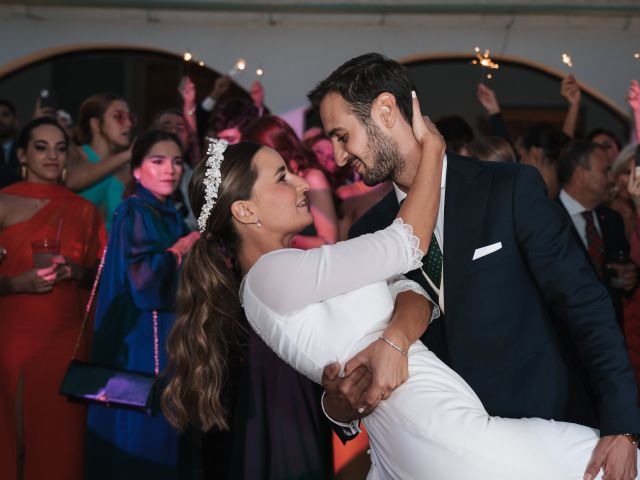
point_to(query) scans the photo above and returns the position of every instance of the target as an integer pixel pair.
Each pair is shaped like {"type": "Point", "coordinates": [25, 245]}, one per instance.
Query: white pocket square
{"type": "Point", "coordinates": [484, 251]}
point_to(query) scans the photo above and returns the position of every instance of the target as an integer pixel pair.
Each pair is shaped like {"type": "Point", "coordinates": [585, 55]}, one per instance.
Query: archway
{"type": "Point", "coordinates": [527, 91]}
{"type": "Point", "coordinates": [146, 77]}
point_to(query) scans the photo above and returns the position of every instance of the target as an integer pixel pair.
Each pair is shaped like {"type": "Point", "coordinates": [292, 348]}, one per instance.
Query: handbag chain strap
{"type": "Point", "coordinates": [87, 312]}
{"type": "Point", "coordinates": [156, 350]}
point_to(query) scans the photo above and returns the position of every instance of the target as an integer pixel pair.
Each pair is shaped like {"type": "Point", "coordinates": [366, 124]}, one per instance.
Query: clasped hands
{"type": "Point", "coordinates": [369, 377]}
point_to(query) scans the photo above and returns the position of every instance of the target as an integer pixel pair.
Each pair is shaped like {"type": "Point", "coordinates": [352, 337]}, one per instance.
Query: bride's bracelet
{"type": "Point", "coordinates": [393, 345]}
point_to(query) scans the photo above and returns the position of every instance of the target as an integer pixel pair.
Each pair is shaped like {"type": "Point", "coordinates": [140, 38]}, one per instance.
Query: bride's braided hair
{"type": "Point", "coordinates": [209, 319]}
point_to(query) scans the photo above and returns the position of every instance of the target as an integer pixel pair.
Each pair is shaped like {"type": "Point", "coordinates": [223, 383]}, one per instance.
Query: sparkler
{"type": "Point", "coordinates": [566, 59]}
{"type": "Point", "coordinates": [485, 61]}
{"type": "Point", "coordinates": [186, 62]}
{"type": "Point", "coordinates": [239, 66]}
{"type": "Point", "coordinates": [259, 72]}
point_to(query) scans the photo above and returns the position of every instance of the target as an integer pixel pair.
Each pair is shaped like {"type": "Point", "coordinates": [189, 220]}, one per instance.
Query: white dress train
{"type": "Point", "coordinates": [323, 305]}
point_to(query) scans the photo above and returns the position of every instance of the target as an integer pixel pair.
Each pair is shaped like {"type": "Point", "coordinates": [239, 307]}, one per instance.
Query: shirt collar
{"type": "Point", "coordinates": [571, 204]}
{"type": "Point", "coordinates": [402, 195]}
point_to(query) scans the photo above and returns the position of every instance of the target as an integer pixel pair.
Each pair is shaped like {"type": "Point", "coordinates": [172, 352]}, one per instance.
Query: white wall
{"type": "Point", "coordinates": [300, 50]}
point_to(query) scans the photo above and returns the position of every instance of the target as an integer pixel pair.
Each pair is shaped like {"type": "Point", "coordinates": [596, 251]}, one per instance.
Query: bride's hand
{"type": "Point", "coordinates": [424, 131]}
{"type": "Point", "coordinates": [389, 368]}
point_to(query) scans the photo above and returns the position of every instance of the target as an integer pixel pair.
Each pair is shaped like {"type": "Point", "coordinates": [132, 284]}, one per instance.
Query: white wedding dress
{"type": "Point", "coordinates": [325, 305]}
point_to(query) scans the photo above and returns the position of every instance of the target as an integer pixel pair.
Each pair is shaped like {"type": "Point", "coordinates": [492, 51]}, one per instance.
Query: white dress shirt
{"type": "Point", "coordinates": [439, 230]}
{"type": "Point", "coordinates": [575, 210]}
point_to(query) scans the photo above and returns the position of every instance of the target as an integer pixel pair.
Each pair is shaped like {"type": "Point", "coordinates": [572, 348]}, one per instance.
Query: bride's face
{"type": "Point", "coordinates": [279, 195]}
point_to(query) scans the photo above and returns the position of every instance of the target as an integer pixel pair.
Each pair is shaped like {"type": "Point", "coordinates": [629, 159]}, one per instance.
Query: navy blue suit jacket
{"type": "Point", "coordinates": [505, 311]}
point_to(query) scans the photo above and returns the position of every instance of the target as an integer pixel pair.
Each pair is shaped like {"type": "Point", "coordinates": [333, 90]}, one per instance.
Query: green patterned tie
{"type": "Point", "coordinates": [433, 262]}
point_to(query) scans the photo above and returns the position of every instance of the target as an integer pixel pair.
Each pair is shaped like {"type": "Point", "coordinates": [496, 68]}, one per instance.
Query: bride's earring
{"type": "Point", "coordinates": [257, 222]}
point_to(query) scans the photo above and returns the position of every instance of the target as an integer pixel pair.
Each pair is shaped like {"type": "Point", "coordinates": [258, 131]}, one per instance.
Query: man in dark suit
{"type": "Point", "coordinates": [585, 175]}
{"type": "Point", "coordinates": [503, 255]}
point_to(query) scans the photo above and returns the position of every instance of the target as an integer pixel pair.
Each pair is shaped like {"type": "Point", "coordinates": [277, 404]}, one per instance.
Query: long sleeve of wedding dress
{"type": "Point", "coordinates": [291, 279]}
{"type": "Point", "coordinates": [324, 305]}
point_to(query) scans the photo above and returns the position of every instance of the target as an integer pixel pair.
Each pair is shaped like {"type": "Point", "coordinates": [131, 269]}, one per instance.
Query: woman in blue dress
{"type": "Point", "coordinates": [145, 249]}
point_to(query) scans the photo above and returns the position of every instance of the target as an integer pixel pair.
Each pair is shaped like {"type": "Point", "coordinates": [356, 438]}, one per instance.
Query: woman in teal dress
{"type": "Point", "coordinates": [145, 249]}
{"type": "Point", "coordinates": [104, 134]}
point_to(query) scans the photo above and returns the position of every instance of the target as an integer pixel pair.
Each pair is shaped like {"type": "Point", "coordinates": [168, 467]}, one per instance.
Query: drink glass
{"type": "Point", "coordinates": [43, 252]}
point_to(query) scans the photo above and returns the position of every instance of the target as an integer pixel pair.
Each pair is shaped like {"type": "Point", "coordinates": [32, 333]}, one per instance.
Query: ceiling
{"type": "Point", "coordinates": [623, 8]}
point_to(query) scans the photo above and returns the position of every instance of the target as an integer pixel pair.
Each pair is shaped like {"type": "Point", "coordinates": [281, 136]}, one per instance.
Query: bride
{"type": "Point", "coordinates": [324, 305]}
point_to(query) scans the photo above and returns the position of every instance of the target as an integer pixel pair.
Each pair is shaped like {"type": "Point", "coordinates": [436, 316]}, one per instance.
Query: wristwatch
{"type": "Point", "coordinates": [632, 437]}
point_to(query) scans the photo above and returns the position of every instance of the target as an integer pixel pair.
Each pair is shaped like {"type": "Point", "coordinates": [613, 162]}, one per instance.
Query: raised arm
{"type": "Point", "coordinates": [633, 97]}
{"type": "Point", "coordinates": [420, 208]}
{"type": "Point", "coordinates": [85, 174]}
{"type": "Point", "coordinates": [188, 93]}
{"type": "Point", "coordinates": [571, 91]}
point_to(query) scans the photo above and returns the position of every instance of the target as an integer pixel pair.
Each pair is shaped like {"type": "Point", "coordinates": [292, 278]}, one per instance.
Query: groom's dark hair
{"type": "Point", "coordinates": [360, 80]}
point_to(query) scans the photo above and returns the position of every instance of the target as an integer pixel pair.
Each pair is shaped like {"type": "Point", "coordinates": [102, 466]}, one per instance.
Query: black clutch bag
{"type": "Point", "coordinates": [110, 386]}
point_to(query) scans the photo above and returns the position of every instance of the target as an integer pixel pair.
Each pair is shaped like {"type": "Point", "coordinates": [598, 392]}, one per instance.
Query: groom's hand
{"type": "Point", "coordinates": [343, 395]}
{"type": "Point", "coordinates": [389, 368]}
{"type": "Point", "coordinates": [617, 455]}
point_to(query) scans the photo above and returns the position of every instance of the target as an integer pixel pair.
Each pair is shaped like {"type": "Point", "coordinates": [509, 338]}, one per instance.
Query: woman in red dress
{"type": "Point", "coordinates": [41, 433]}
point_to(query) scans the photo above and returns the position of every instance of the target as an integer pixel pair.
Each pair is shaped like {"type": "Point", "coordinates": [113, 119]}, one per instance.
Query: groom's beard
{"type": "Point", "coordinates": [387, 162]}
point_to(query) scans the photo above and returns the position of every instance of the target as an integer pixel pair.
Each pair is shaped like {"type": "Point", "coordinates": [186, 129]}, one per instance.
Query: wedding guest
{"type": "Point", "coordinates": [633, 97]}
{"type": "Point", "coordinates": [9, 124]}
{"type": "Point", "coordinates": [190, 139]}
{"type": "Point", "coordinates": [621, 199]}
{"type": "Point", "coordinates": [204, 108]}
{"type": "Point", "coordinates": [489, 101]}
{"type": "Point", "coordinates": [541, 146]}
{"type": "Point", "coordinates": [626, 197]}
{"type": "Point", "coordinates": [104, 134]}
{"type": "Point", "coordinates": [491, 149]}
{"type": "Point", "coordinates": [456, 132]}
{"type": "Point", "coordinates": [173, 121]}
{"type": "Point", "coordinates": [230, 117]}
{"type": "Point", "coordinates": [42, 300]}
{"type": "Point", "coordinates": [585, 175]}
{"type": "Point", "coordinates": [275, 133]}
{"type": "Point", "coordinates": [316, 141]}
{"type": "Point", "coordinates": [355, 200]}
{"type": "Point", "coordinates": [607, 140]}
{"type": "Point", "coordinates": [257, 97]}
{"type": "Point", "coordinates": [137, 288]}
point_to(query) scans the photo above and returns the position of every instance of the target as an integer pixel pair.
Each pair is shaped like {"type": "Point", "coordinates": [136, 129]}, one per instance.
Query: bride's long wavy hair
{"type": "Point", "coordinates": [209, 318]}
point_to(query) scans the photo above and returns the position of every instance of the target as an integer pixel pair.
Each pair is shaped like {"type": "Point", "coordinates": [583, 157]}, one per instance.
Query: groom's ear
{"type": "Point", "coordinates": [384, 110]}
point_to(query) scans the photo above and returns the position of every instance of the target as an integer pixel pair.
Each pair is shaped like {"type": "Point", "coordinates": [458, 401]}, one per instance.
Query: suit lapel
{"type": "Point", "coordinates": [467, 190]}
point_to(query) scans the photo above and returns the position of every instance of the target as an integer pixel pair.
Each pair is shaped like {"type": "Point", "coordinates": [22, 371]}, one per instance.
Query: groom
{"type": "Point", "coordinates": [524, 319]}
